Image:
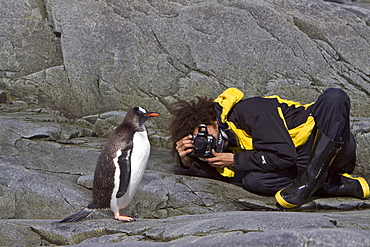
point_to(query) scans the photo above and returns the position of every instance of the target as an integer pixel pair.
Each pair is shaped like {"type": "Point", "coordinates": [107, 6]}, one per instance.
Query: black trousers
{"type": "Point", "coordinates": [331, 114]}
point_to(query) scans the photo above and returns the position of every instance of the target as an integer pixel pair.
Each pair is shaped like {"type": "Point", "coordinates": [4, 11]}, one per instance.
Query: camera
{"type": "Point", "coordinates": [203, 142]}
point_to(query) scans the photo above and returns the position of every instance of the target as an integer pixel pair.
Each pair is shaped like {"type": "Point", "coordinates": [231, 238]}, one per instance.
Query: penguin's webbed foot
{"type": "Point", "coordinates": [127, 218]}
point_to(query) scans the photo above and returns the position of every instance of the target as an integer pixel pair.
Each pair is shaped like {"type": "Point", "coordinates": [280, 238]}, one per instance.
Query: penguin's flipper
{"type": "Point", "coordinates": [124, 161]}
{"type": "Point", "coordinates": [80, 215]}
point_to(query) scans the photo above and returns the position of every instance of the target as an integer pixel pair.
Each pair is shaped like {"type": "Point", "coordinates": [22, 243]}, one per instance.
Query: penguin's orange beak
{"type": "Point", "coordinates": [153, 114]}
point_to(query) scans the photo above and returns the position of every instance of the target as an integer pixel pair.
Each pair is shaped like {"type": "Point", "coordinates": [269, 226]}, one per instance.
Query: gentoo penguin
{"type": "Point", "coordinates": [120, 166]}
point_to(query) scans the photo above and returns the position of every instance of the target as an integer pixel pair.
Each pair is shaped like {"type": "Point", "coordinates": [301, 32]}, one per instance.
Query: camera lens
{"type": "Point", "coordinates": [199, 144]}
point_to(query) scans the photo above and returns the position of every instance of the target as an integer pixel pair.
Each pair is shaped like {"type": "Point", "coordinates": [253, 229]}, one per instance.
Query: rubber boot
{"type": "Point", "coordinates": [323, 152]}
{"type": "Point", "coordinates": [345, 185]}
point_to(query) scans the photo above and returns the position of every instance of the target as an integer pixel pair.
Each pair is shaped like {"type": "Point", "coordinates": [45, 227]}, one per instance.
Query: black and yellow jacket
{"type": "Point", "coordinates": [267, 133]}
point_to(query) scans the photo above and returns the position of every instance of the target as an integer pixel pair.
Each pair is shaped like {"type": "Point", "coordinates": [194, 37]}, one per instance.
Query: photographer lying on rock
{"type": "Point", "coordinates": [269, 145]}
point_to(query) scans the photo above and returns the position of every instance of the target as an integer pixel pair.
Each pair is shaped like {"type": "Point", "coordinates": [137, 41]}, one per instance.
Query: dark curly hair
{"type": "Point", "coordinates": [186, 116]}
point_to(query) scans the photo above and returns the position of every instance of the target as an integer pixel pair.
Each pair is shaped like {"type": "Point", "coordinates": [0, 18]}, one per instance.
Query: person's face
{"type": "Point", "coordinates": [212, 129]}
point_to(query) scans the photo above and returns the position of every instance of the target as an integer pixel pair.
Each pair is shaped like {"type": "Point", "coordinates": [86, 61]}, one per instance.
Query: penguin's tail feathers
{"type": "Point", "coordinates": [80, 215]}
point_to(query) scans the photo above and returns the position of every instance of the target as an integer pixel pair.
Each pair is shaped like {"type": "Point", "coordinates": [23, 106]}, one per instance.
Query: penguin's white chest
{"type": "Point", "coordinates": [139, 156]}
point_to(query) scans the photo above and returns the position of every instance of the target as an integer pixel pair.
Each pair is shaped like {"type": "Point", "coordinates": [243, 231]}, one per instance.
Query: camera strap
{"type": "Point", "coordinates": [220, 142]}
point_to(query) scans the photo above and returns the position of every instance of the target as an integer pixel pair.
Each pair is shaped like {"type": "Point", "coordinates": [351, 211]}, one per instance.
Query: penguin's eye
{"type": "Point", "coordinates": [142, 110]}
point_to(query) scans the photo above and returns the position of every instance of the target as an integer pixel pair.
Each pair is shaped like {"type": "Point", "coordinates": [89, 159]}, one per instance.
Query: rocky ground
{"type": "Point", "coordinates": [236, 228]}
{"type": "Point", "coordinates": [46, 168]}
{"type": "Point", "coordinates": [83, 57]}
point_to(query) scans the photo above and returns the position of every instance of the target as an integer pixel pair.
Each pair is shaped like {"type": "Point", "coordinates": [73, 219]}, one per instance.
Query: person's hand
{"type": "Point", "coordinates": [221, 159]}
{"type": "Point", "coordinates": [184, 147]}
